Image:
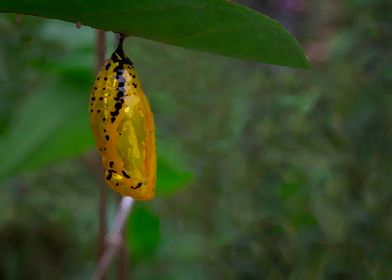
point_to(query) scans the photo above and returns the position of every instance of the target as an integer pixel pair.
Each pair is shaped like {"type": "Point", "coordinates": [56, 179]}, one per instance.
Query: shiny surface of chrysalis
{"type": "Point", "coordinates": [123, 128]}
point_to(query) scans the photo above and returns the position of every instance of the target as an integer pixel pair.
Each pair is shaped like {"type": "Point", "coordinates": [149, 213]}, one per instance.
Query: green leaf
{"type": "Point", "coordinates": [170, 178]}
{"type": "Point", "coordinates": [51, 124]}
{"type": "Point", "coordinates": [143, 232]}
{"type": "Point", "coordinates": [215, 26]}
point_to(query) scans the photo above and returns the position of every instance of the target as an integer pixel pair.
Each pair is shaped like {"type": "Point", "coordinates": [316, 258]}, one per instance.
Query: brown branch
{"type": "Point", "coordinates": [102, 221]}
{"type": "Point", "coordinates": [18, 18]}
{"type": "Point", "coordinates": [101, 47]}
{"type": "Point", "coordinates": [92, 162]}
{"type": "Point", "coordinates": [100, 52]}
{"type": "Point", "coordinates": [114, 237]}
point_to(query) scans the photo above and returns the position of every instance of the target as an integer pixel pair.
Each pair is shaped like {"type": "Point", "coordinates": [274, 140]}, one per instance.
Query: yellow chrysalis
{"type": "Point", "coordinates": [123, 128]}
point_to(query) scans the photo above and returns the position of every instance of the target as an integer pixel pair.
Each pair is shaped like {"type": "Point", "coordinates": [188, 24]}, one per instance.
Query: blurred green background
{"type": "Point", "coordinates": [264, 172]}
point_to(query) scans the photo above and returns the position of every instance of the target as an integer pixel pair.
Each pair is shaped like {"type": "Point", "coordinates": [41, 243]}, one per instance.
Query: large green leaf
{"type": "Point", "coordinates": [51, 121]}
{"type": "Point", "coordinates": [216, 26]}
{"type": "Point", "coordinates": [51, 124]}
{"type": "Point", "coordinates": [143, 232]}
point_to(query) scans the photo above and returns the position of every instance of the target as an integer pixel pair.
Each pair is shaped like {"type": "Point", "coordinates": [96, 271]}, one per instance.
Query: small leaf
{"type": "Point", "coordinates": [170, 179]}
{"type": "Point", "coordinates": [215, 26]}
{"type": "Point", "coordinates": [143, 232]}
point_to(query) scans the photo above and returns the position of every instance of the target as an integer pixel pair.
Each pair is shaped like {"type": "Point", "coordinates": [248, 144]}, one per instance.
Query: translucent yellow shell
{"type": "Point", "coordinates": [123, 128]}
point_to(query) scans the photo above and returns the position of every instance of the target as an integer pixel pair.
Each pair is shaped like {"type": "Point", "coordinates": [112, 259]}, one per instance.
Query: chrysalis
{"type": "Point", "coordinates": [123, 128]}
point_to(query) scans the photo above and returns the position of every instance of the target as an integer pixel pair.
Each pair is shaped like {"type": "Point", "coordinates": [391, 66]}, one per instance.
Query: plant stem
{"type": "Point", "coordinates": [123, 258]}
{"type": "Point", "coordinates": [100, 52]}
{"type": "Point", "coordinates": [114, 237]}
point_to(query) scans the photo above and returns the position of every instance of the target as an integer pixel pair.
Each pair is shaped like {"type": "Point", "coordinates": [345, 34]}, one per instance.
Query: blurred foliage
{"type": "Point", "coordinates": [51, 112]}
{"type": "Point", "coordinates": [170, 179]}
{"type": "Point", "coordinates": [216, 26]}
{"type": "Point", "coordinates": [143, 234]}
{"type": "Point", "coordinates": [291, 169]}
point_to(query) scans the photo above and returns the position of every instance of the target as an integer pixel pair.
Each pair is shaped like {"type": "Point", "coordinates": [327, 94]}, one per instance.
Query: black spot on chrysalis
{"type": "Point", "coordinates": [137, 186]}
{"type": "Point", "coordinates": [125, 174]}
{"type": "Point", "coordinates": [118, 105]}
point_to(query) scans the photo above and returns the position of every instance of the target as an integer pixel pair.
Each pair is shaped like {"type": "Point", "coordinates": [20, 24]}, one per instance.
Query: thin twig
{"type": "Point", "coordinates": [18, 18]}
{"type": "Point", "coordinates": [123, 258]}
{"type": "Point", "coordinates": [114, 238]}
{"type": "Point", "coordinates": [101, 47]}
{"type": "Point", "coordinates": [100, 53]}
{"type": "Point", "coordinates": [102, 221]}
{"type": "Point", "coordinates": [92, 162]}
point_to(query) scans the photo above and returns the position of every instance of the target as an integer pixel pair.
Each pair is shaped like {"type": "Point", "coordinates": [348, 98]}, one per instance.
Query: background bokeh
{"type": "Point", "coordinates": [264, 172]}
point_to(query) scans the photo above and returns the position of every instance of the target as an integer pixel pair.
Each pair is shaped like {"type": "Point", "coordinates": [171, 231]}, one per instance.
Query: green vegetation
{"type": "Point", "coordinates": [264, 172]}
